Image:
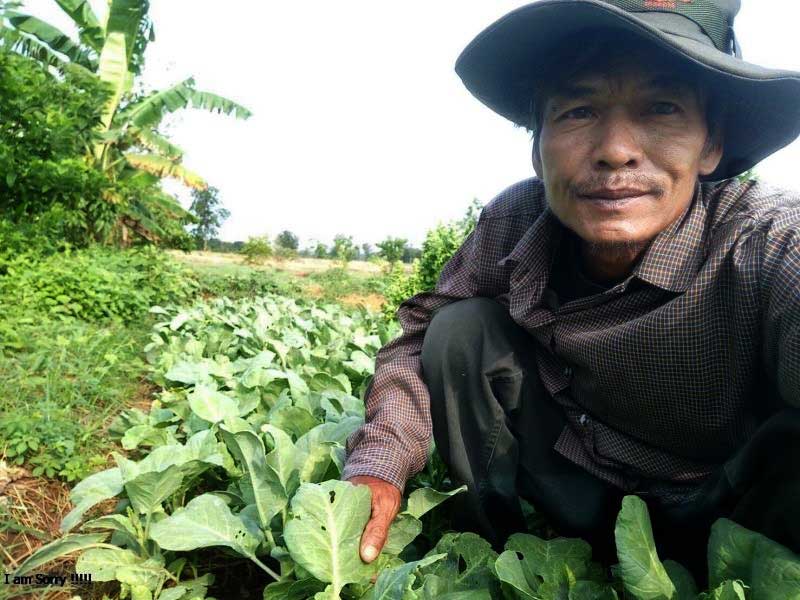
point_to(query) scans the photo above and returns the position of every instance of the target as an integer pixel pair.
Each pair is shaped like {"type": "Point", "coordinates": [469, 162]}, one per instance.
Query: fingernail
{"type": "Point", "coordinates": [370, 552]}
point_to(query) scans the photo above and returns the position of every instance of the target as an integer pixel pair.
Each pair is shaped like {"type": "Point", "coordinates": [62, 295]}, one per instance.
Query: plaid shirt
{"type": "Point", "coordinates": [662, 377]}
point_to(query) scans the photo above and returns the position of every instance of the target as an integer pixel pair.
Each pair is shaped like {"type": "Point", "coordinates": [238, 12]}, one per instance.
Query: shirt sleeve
{"type": "Point", "coordinates": [394, 442]}
{"type": "Point", "coordinates": [780, 278]}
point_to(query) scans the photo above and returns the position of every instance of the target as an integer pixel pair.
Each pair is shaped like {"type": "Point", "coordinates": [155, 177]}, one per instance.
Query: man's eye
{"type": "Point", "coordinates": [665, 108]}
{"type": "Point", "coordinates": [582, 112]}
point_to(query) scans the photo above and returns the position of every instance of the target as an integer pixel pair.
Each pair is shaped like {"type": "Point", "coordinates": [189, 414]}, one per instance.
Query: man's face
{"type": "Point", "coordinates": [620, 154]}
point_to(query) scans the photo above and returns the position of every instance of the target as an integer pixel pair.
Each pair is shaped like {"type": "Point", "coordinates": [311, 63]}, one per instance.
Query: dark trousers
{"type": "Point", "coordinates": [494, 425]}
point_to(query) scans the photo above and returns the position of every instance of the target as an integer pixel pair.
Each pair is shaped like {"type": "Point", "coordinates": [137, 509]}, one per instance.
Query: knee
{"type": "Point", "coordinates": [460, 326]}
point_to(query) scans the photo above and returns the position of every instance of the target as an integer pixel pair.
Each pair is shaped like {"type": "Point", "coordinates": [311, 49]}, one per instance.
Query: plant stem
{"type": "Point", "coordinates": [161, 582]}
{"type": "Point", "coordinates": [265, 568]}
{"type": "Point", "coordinates": [147, 526]}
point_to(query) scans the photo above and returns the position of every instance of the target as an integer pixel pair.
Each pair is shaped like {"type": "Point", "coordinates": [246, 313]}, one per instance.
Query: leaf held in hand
{"type": "Point", "coordinates": [324, 533]}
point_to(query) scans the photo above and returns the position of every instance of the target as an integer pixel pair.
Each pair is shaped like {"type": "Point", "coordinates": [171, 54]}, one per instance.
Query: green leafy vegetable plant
{"type": "Point", "coordinates": [242, 455]}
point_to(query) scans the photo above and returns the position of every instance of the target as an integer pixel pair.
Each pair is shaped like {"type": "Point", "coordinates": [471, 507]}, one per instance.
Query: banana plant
{"type": "Point", "coordinates": [129, 143]}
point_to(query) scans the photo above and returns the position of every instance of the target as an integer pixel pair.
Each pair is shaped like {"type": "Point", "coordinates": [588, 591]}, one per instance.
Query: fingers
{"type": "Point", "coordinates": [375, 534]}
{"type": "Point", "coordinates": [386, 500]}
{"type": "Point", "coordinates": [385, 504]}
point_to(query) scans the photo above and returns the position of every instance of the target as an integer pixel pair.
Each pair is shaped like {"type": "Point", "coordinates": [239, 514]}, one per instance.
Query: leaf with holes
{"type": "Point", "coordinates": [545, 565]}
{"type": "Point", "coordinates": [324, 532]}
{"type": "Point", "coordinates": [395, 583]}
{"type": "Point", "coordinates": [468, 566]}
{"type": "Point", "coordinates": [205, 521]}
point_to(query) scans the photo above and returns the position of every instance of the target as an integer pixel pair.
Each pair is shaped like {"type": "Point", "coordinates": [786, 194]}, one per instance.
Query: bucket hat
{"type": "Point", "coordinates": [762, 104]}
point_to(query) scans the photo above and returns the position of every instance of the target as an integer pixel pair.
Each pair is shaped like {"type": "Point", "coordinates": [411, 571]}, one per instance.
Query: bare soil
{"type": "Point", "coordinates": [373, 302]}
{"type": "Point", "coordinates": [35, 506]}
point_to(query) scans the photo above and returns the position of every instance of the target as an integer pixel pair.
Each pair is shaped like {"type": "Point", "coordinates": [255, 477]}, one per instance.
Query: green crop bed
{"type": "Point", "coordinates": [242, 452]}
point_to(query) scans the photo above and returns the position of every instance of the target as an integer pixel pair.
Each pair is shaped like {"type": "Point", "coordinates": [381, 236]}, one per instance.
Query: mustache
{"type": "Point", "coordinates": [631, 180]}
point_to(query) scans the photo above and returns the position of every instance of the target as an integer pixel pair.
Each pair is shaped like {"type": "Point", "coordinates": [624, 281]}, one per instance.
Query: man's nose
{"type": "Point", "coordinates": [617, 144]}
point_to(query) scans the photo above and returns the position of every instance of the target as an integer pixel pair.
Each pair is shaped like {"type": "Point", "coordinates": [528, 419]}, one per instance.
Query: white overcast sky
{"type": "Point", "coordinates": [360, 123]}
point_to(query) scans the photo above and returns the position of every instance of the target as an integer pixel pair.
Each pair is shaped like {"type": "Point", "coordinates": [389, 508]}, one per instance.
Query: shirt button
{"type": "Point", "coordinates": [568, 372]}
{"type": "Point", "coordinates": [583, 420]}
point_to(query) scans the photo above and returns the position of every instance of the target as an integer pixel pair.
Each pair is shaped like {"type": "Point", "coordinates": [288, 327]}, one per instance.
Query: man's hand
{"type": "Point", "coordinates": [385, 506]}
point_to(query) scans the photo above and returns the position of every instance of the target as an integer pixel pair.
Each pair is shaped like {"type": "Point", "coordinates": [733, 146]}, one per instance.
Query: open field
{"type": "Point", "coordinates": [322, 278]}
{"type": "Point", "coordinates": [233, 263]}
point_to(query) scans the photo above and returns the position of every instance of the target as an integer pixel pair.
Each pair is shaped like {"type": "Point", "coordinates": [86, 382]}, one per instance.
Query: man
{"type": "Point", "coordinates": [628, 322]}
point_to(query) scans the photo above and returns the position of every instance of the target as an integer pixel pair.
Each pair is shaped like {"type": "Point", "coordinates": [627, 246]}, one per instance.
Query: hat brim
{"type": "Point", "coordinates": [763, 105]}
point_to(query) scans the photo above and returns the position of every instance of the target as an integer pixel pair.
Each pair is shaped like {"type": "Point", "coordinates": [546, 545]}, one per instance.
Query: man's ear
{"type": "Point", "coordinates": [712, 155]}
{"type": "Point", "coordinates": [536, 158]}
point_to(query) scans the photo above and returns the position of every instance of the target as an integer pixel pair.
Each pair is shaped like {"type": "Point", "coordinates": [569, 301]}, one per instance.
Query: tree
{"type": "Point", "coordinates": [392, 248]}
{"type": "Point", "coordinates": [222, 246]}
{"type": "Point", "coordinates": [287, 240]}
{"type": "Point", "coordinates": [46, 127]}
{"type": "Point", "coordinates": [344, 249]}
{"type": "Point", "coordinates": [470, 219]}
{"type": "Point", "coordinates": [209, 214]}
{"type": "Point", "coordinates": [440, 244]}
{"type": "Point", "coordinates": [320, 250]}
{"type": "Point", "coordinates": [286, 244]}
{"type": "Point", "coordinates": [256, 249]}
{"type": "Point", "coordinates": [366, 249]}
{"type": "Point", "coordinates": [409, 254]}
{"type": "Point", "coordinates": [129, 149]}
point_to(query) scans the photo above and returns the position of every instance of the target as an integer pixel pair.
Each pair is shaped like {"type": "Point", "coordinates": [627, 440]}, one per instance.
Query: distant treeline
{"type": "Point", "coordinates": [390, 249]}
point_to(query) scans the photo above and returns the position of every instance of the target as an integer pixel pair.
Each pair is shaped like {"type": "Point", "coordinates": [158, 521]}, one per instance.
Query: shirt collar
{"type": "Point", "coordinates": [673, 258]}
{"type": "Point", "coordinates": [670, 262]}
{"type": "Point", "coordinates": [535, 249]}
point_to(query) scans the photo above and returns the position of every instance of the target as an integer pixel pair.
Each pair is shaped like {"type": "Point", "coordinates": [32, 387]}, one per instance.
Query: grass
{"type": "Point", "coordinates": [299, 265]}
{"type": "Point", "coordinates": [61, 387]}
{"type": "Point", "coordinates": [223, 273]}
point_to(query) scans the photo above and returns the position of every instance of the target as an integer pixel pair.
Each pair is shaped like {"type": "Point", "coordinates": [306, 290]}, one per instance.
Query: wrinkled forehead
{"type": "Point", "coordinates": [639, 72]}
